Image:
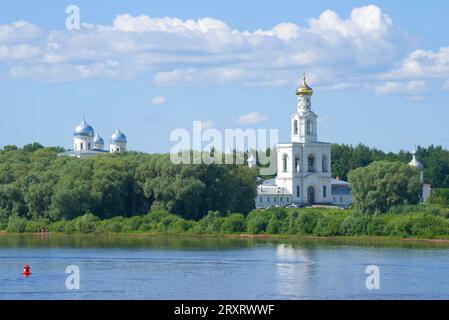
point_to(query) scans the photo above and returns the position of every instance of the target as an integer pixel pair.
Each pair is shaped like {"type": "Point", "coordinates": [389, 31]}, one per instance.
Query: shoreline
{"type": "Point", "coordinates": [361, 239]}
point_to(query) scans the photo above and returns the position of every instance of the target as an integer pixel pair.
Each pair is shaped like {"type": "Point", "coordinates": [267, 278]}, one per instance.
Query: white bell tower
{"type": "Point", "coordinates": [304, 120]}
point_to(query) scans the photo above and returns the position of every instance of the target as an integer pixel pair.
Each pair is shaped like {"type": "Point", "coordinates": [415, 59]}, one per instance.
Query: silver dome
{"type": "Point", "coordinates": [83, 129]}
{"type": "Point", "coordinates": [98, 139]}
{"type": "Point", "coordinates": [118, 136]}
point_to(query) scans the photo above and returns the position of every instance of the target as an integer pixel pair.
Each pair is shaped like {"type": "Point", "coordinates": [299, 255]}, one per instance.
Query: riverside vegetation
{"type": "Point", "coordinates": [142, 193]}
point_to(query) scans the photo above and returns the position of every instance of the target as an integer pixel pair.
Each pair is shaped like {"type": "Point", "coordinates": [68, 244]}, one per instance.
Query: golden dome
{"type": "Point", "coordinates": [304, 89]}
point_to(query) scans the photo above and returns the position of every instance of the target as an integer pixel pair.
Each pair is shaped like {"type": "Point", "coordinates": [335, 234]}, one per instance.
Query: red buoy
{"type": "Point", "coordinates": [26, 270]}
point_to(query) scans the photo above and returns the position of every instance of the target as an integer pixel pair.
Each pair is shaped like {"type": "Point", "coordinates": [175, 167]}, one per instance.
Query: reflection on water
{"type": "Point", "coordinates": [293, 270]}
{"type": "Point", "coordinates": [189, 267]}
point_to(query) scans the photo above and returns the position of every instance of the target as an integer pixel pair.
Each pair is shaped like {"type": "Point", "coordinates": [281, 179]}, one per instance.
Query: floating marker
{"type": "Point", "coordinates": [26, 270]}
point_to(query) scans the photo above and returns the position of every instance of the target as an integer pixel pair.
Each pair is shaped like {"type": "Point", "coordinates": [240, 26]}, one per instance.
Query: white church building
{"type": "Point", "coordinates": [86, 142]}
{"type": "Point", "coordinates": [304, 165]}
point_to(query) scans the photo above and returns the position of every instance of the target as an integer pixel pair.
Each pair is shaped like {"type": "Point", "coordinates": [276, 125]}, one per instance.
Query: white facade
{"type": "Point", "coordinates": [426, 189]}
{"type": "Point", "coordinates": [304, 164]}
{"type": "Point", "coordinates": [117, 147]}
{"type": "Point", "coordinates": [82, 143]}
{"type": "Point", "coordinates": [87, 143]}
{"type": "Point", "coordinates": [118, 142]}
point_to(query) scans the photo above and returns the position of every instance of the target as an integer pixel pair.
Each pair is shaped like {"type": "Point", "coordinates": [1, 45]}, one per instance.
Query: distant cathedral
{"type": "Point", "coordinates": [304, 165]}
{"type": "Point", "coordinates": [88, 143]}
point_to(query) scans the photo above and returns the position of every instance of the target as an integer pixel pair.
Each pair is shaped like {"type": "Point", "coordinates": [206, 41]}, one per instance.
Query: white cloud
{"type": "Point", "coordinates": [422, 63]}
{"type": "Point", "coordinates": [363, 50]}
{"type": "Point", "coordinates": [208, 50]}
{"type": "Point", "coordinates": [18, 31]}
{"type": "Point", "coordinates": [409, 88]}
{"type": "Point", "coordinates": [251, 118]}
{"type": "Point", "coordinates": [159, 100]}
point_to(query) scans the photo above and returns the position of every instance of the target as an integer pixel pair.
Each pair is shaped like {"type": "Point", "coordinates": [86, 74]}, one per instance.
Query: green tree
{"type": "Point", "coordinates": [382, 185]}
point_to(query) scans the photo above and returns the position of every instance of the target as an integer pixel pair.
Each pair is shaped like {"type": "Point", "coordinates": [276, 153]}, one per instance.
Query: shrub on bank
{"type": "Point", "coordinates": [234, 223]}
{"type": "Point", "coordinates": [16, 224]}
{"type": "Point", "coordinates": [329, 225]}
{"type": "Point", "coordinates": [404, 221]}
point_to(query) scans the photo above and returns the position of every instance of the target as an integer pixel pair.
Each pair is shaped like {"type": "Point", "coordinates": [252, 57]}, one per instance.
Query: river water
{"type": "Point", "coordinates": [170, 267]}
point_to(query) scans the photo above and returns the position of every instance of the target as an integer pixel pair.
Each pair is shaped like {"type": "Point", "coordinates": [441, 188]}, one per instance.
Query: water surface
{"type": "Point", "coordinates": [163, 267]}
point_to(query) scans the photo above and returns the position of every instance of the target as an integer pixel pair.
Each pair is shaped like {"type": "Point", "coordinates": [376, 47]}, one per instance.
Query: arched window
{"type": "Point", "coordinates": [324, 191]}
{"type": "Point", "coordinates": [295, 127]}
{"type": "Point", "coordinates": [297, 191]}
{"type": "Point", "coordinates": [81, 146]}
{"type": "Point", "coordinates": [297, 164]}
{"type": "Point", "coordinates": [311, 163]}
{"type": "Point", "coordinates": [284, 163]}
{"type": "Point", "coordinates": [324, 165]}
{"type": "Point", "coordinates": [309, 128]}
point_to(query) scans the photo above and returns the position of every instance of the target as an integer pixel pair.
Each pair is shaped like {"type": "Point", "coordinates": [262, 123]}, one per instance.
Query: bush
{"type": "Point", "coordinates": [34, 226]}
{"type": "Point", "coordinates": [257, 221]}
{"type": "Point", "coordinates": [58, 226]}
{"type": "Point", "coordinates": [278, 223]}
{"type": "Point", "coordinates": [354, 225]}
{"type": "Point", "coordinates": [376, 225]}
{"type": "Point", "coordinates": [212, 223]}
{"type": "Point", "coordinates": [420, 225]}
{"type": "Point", "coordinates": [16, 224]}
{"type": "Point", "coordinates": [133, 223]}
{"type": "Point", "coordinates": [233, 223]}
{"type": "Point", "coordinates": [303, 223]}
{"type": "Point", "coordinates": [439, 197]}
{"type": "Point", "coordinates": [329, 225]}
{"type": "Point", "coordinates": [86, 223]}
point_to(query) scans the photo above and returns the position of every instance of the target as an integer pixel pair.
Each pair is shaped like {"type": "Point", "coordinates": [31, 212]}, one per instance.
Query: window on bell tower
{"type": "Point", "coordinates": [309, 128]}
{"type": "Point", "coordinates": [324, 164]}
{"type": "Point", "coordinates": [295, 127]}
{"type": "Point", "coordinates": [311, 163]}
{"type": "Point", "coordinates": [297, 164]}
{"type": "Point", "coordinates": [284, 163]}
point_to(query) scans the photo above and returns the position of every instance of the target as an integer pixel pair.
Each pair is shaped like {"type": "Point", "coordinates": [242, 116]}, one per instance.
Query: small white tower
{"type": "Point", "coordinates": [118, 142]}
{"type": "Point", "coordinates": [252, 162]}
{"type": "Point", "coordinates": [418, 165]}
{"type": "Point", "coordinates": [304, 120]}
{"type": "Point", "coordinates": [83, 137]}
{"type": "Point", "coordinates": [98, 142]}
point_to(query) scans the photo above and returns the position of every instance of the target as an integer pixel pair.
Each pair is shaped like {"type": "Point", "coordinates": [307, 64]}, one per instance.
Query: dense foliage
{"type": "Point", "coordinates": [382, 185]}
{"type": "Point", "coordinates": [435, 160]}
{"type": "Point", "coordinates": [37, 184]}
{"type": "Point", "coordinates": [404, 221]}
{"type": "Point", "coordinates": [439, 196]}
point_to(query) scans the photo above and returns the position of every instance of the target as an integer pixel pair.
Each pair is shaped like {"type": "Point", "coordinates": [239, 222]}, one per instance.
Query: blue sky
{"type": "Point", "coordinates": [380, 70]}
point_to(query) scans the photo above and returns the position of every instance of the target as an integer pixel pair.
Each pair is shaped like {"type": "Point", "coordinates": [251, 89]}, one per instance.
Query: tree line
{"type": "Point", "coordinates": [36, 183]}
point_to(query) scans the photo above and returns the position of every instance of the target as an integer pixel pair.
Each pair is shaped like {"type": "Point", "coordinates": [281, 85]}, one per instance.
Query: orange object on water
{"type": "Point", "coordinates": [26, 270]}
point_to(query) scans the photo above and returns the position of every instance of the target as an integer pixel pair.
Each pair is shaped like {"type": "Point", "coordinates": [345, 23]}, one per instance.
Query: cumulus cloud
{"type": "Point", "coordinates": [159, 100]}
{"type": "Point", "coordinates": [411, 87]}
{"type": "Point", "coordinates": [251, 118]}
{"type": "Point", "coordinates": [365, 49]}
{"type": "Point", "coordinates": [424, 63]}
{"type": "Point", "coordinates": [185, 51]}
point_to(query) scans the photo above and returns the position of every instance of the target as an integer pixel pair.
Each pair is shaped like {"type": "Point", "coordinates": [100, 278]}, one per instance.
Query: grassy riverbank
{"type": "Point", "coordinates": [420, 222]}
